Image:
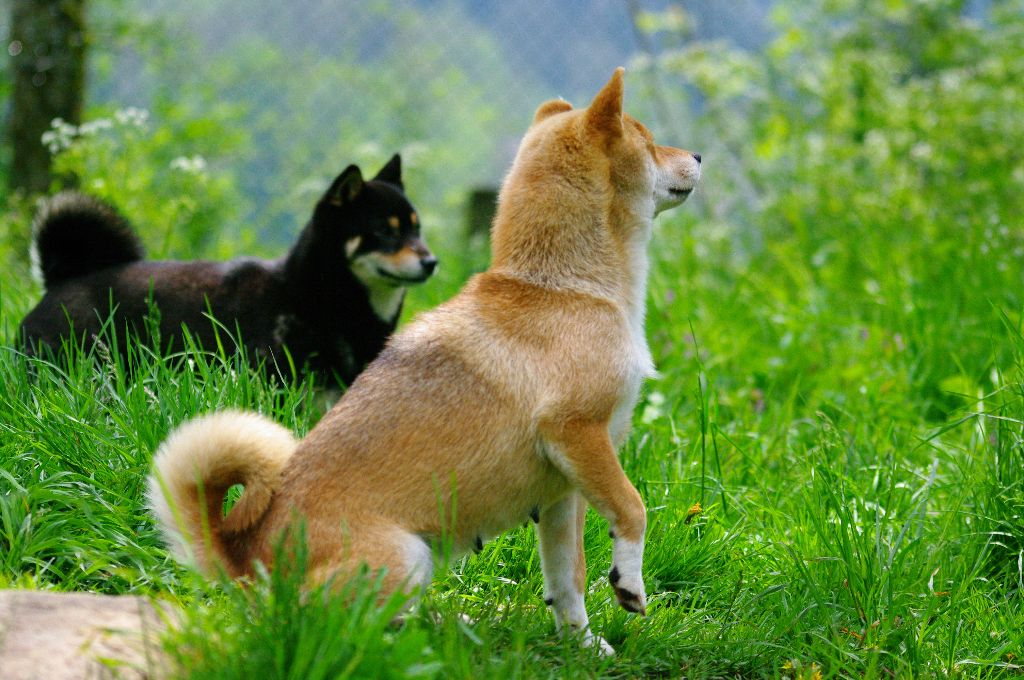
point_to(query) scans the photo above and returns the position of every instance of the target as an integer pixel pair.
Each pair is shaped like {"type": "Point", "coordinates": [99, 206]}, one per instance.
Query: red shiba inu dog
{"type": "Point", "coordinates": [507, 402]}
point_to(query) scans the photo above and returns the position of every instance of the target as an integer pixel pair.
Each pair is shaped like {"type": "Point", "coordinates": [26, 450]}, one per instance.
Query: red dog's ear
{"type": "Point", "coordinates": [550, 108]}
{"type": "Point", "coordinates": [604, 117]}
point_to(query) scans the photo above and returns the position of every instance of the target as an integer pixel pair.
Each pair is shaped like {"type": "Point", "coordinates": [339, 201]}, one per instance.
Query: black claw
{"type": "Point", "coordinates": [611, 534]}
{"type": "Point", "coordinates": [629, 601]}
{"type": "Point", "coordinates": [479, 545]}
{"type": "Point", "coordinates": [613, 576]}
{"type": "Point", "coordinates": [549, 601]}
{"type": "Point", "coordinates": [535, 515]}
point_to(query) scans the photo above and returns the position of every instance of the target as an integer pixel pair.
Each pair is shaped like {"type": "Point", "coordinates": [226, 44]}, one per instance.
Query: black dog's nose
{"type": "Point", "coordinates": [696, 157]}
{"type": "Point", "coordinates": [429, 264]}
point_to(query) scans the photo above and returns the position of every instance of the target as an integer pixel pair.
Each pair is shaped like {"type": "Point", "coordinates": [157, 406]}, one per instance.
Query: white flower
{"type": "Point", "coordinates": [132, 116]}
{"type": "Point", "coordinates": [93, 126]}
{"type": "Point", "coordinates": [194, 165]}
{"type": "Point", "coordinates": [60, 135]}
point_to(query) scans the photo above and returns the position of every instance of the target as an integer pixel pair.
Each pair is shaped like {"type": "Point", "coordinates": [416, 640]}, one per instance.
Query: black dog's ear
{"type": "Point", "coordinates": [391, 172]}
{"type": "Point", "coordinates": [345, 187]}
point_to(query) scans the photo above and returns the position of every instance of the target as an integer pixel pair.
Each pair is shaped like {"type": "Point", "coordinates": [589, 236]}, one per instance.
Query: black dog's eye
{"type": "Point", "coordinates": [389, 244]}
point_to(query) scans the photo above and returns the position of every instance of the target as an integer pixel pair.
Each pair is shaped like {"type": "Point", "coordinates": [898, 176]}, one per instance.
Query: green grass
{"type": "Point", "coordinates": [857, 455]}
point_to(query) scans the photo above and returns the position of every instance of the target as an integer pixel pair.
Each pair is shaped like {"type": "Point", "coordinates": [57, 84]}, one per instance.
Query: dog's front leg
{"type": "Point", "coordinates": [560, 535]}
{"type": "Point", "coordinates": [582, 450]}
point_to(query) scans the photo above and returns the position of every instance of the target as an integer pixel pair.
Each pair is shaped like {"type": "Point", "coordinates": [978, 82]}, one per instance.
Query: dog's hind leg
{"type": "Point", "coordinates": [582, 450]}
{"type": "Point", "coordinates": [560, 535]}
{"type": "Point", "coordinates": [405, 558]}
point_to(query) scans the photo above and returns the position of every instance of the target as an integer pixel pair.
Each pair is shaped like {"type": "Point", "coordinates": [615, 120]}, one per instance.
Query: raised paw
{"type": "Point", "coordinates": [629, 592]}
{"type": "Point", "coordinates": [631, 602]}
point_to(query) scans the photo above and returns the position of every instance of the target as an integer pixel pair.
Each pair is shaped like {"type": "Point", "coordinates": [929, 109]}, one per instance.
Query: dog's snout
{"type": "Point", "coordinates": [696, 157]}
{"type": "Point", "coordinates": [417, 246]}
{"type": "Point", "coordinates": [429, 264]}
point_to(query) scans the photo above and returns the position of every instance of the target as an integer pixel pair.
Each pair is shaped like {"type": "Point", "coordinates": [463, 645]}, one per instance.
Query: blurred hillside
{"type": "Point", "coordinates": [250, 108]}
{"type": "Point", "coordinates": [276, 98]}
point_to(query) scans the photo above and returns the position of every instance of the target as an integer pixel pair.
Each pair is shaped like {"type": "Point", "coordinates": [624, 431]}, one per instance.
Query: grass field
{"type": "Point", "coordinates": [832, 463]}
{"type": "Point", "coordinates": [832, 457]}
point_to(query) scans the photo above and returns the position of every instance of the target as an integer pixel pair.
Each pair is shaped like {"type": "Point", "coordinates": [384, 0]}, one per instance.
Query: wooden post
{"type": "Point", "coordinates": [483, 203]}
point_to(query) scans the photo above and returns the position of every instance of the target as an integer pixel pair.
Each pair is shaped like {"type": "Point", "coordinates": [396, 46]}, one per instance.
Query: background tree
{"type": "Point", "coordinates": [47, 47]}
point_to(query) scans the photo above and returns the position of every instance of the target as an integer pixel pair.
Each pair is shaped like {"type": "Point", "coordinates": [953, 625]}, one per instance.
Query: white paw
{"type": "Point", "coordinates": [591, 640]}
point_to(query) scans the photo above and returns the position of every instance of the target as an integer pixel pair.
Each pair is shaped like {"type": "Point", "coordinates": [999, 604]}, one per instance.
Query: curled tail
{"type": "Point", "coordinates": [75, 235]}
{"type": "Point", "coordinates": [193, 470]}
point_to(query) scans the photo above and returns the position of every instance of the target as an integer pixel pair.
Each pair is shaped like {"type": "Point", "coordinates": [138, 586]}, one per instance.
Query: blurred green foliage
{"type": "Point", "coordinates": [304, 108]}
{"type": "Point", "coordinates": [867, 170]}
{"type": "Point", "coordinates": [156, 173]}
{"type": "Point", "coordinates": [242, 133]}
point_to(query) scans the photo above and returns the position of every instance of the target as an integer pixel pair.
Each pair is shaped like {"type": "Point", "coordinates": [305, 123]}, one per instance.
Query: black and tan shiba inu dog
{"type": "Point", "coordinates": [331, 302]}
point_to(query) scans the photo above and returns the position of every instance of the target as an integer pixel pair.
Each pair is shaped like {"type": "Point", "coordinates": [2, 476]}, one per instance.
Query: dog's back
{"type": "Point", "coordinates": [92, 266]}
{"type": "Point", "coordinates": [154, 300]}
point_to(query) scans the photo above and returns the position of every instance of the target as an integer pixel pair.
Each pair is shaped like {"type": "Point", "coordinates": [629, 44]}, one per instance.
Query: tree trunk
{"type": "Point", "coordinates": [47, 48]}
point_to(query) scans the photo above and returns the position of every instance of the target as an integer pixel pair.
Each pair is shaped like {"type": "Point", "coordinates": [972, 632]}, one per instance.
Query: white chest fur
{"type": "Point", "coordinates": [639, 368]}
{"type": "Point", "coordinates": [385, 297]}
{"type": "Point", "coordinates": [640, 365]}
{"type": "Point", "coordinates": [386, 300]}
